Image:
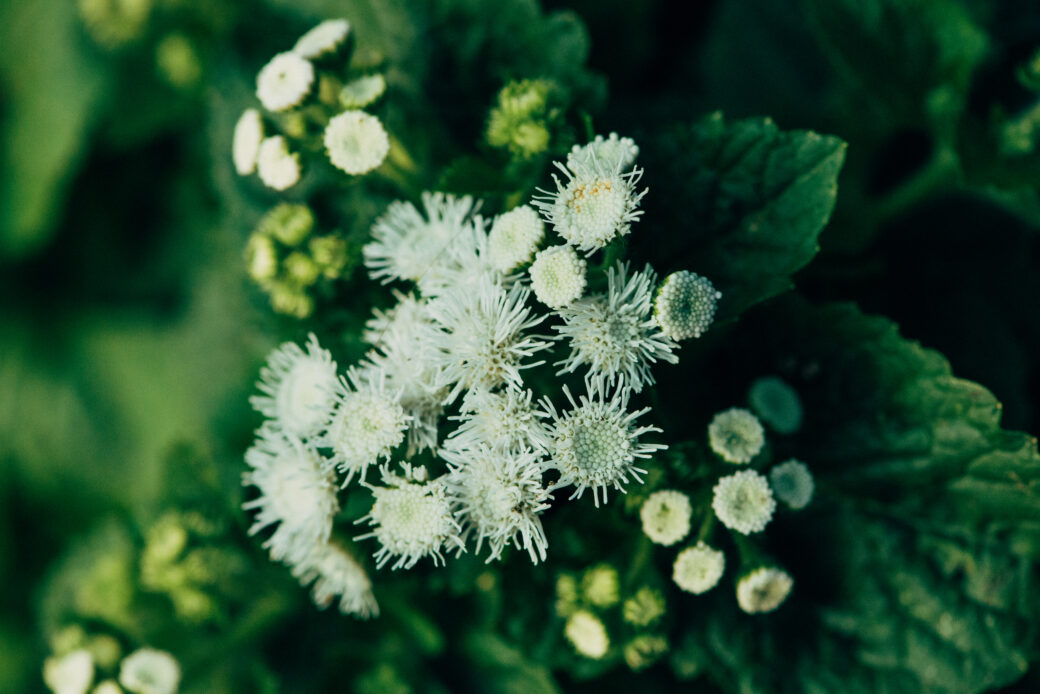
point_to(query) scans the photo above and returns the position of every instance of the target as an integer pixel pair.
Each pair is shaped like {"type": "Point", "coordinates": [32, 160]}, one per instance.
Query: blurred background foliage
{"type": "Point", "coordinates": [130, 335]}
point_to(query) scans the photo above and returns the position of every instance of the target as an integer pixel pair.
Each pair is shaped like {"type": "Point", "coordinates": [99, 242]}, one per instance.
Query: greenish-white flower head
{"type": "Point", "coordinates": [763, 590]}
{"type": "Point", "coordinates": [736, 435]}
{"type": "Point", "coordinates": [514, 238]}
{"type": "Point", "coordinates": [592, 205]}
{"type": "Point", "coordinates": [595, 444]}
{"type": "Point", "coordinates": [587, 634]}
{"type": "Point", "coordinates": [777, 403]}
{"type": "Point", "coordinates": [792, 483]}
{"type": "Point", "coordinates": [337, 575]}
{"type": "Point", "coordinates": [324, 39]}
{"type": "Point", "coordinates": [644, 608]}
{"type": "Point", "coordinates": [362, 91]}
{"type": "Point", "coordinates": [284, 82]}
{"type": "Point", "coordinates": [107, 687]}
{"type": "Point", "coordinates": [685, 305]}
{"type": "Point", "coordinates": [500, 420]}
{"type": "Point", "coordinates": [698, 569]}
{"type": "Point", "coordinates": [290, 224]}
{"type": "Point", "coordinates": [115, 24]}
{"type": "Point", "coordinates": [297, 388]}
{"type": "Point", "coordinates": [558, 276]}
{"type": "Point", "coordinates": [645, 650]}
{"type": "Point", "coordinates": [245, 143]}
{"type": "Point", "coordinates": [411, 518]}
{"type": "Point", "coordinates": [744, 502]}
{"type": "Point", "coordinates": [666, 516]}
{"type": "Point", "coordinates": [71, 673]}
{"type": "Point", "coordinates": [356, 142]}
{"type": "Point", "coordinates": [261, 258]}
{"type": "Point", "coordinates": [611, 153]}
{"type": "Point", "coordinates": [150, 671]}
{"type": "Point", "coordinates": [278, 168]}
{"type": "Point", "coordinates": [600, 585]}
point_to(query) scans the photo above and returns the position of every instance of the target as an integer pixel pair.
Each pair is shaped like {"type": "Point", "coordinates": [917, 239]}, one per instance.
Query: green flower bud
{"type": "Point", "coordinates": [644, 608]}
{"type": "Point", "coordinates": [301, 270]}
{"type": "Point", "coordinates": [290, 224]}
{"type": "Point", "coordinates": [645, 650]}
{"type": "Point", "coordinates": [599, 585]}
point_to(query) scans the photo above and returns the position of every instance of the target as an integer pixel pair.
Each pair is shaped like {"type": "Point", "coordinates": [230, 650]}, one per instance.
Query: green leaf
{"type": "Point", "coordinates": [743, 205]}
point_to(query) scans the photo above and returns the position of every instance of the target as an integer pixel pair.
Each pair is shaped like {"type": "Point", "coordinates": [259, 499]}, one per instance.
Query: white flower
{"type": "Point", "coordinates": [614, 334]}
{"type": "Point", "coordinates": [514, 237]}
{"type": "Point", "coordinates": [698, 569]}
{"type": "Point", "coordinates": [792, 483]}
{"type": "Point", "coordinates": [612, 153]}
{"type": "Point", "coordinates": [366, 425]}
{"type": "Point", "coordinates": [150, 671]}
{"type": "Point", "coordinates": [362, 91]}
{"type": "Point", "coordinates": [107, 687]}
{"type": "Point", "coordinates": [593, 206]}
{"type": "Point", "coordinates": [463, 265]}
{"type": "Point", "coordinates": [479, 340]}
{"type": "Point", "coordinates": [498, 497]}
{"type": "Point", "coordinates": [666, 516]}
{"type": "Point", "coordinates": [685, 305]}
{"type": "Point", "coordinates": [297, 388]}
{"type": "Point", "coordinates": [245, 144]}
{"type": "Point", "coordinates": [763, 590]}
{"type": "Point", "coordinates": [69, 674]}
{"type": "Point", "coordinates": [501, 421]}
{"type": "Point", "coordinates": [558, 276]}
{"type": "Point", "coordinates": [284, 81]}
{"type": "Point", "coordinates": [407, 317]}
{"type": "Point", "coordinates": [744, 502]}
{"type": "Point", "coordinates": [277, 167]}
{"type": "Point", "coordinates": [777, 404]}
{"type": "Point", "coordinates": [587, 634]}
{"type": "Point", "coordinates": [411, 517]}
{"type": "Point", "coordinates": [336, 573]}
{"type": "Point", "coordinates": [297, 494]}
{"type": "Point", "coordinates": [356, 142]}
{"type": "Point", "coordinates": [325, 38]}
{"type": "Point", "coordinates": [596, 443]}
{"type": "Point", "coordinates": [736, 435]}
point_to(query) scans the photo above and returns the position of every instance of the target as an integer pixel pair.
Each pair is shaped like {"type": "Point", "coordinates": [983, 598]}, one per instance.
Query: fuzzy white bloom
{"type": "Point", "coordinates": [412, 518]}
{"type": "Point", "coordinates": [777, 403]}
{"type": "Point", "coordinates": [614, 334]}
{"type": "Point", "coordinates": [685, 305]}
{"type": "Point", "coordinates": [150, 671]}
{"type": "Point", "coordinates": [744, 502]}
{"type": "Point", "coordinates": [612, 153]}
{"type": "Point", "coordinates": [558, 276]}
{"type": "Point", "coordinates": [464, 265]}
{"type": "Point", "coordinates": [107, 687]}
{"type": "Point", "coordinates": [366, 425]}
{"type": "Point", "coordinates": [587, 634]}
{"type": "Point", "coordinates": [596, 443]}
{"type": "Point", "coordinates": [736, 435]}
{"type": "Point", "coordinates": [356, 142]}
{"type": "Point", "coordinates": [408, 317]}
{"type": "Point", "coordinates": [666, 516]}
{"type": "Point", "coordinates": [297, 388]}
{"type": "Point", "coordinates": [362, 91]}
{"type": "Point", "coordinates": [498, 496]}
{"type": "Point", "coordinates": [514, 237]}
{"type": "Point", "coordinates": [763, 590]}
{"type": "Point", "coordinates": [479, 341]}
{"type": "Point", "coordinates": [593, 206]}
{"type": "Point", "coordinates": [336, 573]}
{"type": "Point", "coordinates": [70, 674]}
{"type": "Point", "coordinates": [501, 421]}
{"type": "Point", "coordinates": [284, 82]}
{"type": "Point", "coordinates": [245, 143]}
{"type": "Point", "coordinates": [792, 483]}
{"type": "Point", "coordinates": [277, 167]}
{"type": "Point", "coordinates": [698, 569]}
{"type": "Point", "coordinates": [325, 38]}
{"type": "Point", "coordinates": [297, 493]}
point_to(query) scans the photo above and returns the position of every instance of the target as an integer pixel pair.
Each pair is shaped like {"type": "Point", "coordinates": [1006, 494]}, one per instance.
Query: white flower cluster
{"type": "Point", "coordinates": [145, 671]}
{"type": "Point", "coordinates": [355, 141]}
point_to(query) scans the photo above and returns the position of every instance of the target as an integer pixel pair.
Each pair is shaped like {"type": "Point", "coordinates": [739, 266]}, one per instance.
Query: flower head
{"type": "Point", "coordinates": [587, 634]}
{"type": "Point", "coordinates": [736, 435]}
{"type": "Point", "coordinates": [645, 650]}
{"type": "Point", "coordinates": [284, 81]}
{"type": "Point", "coordinates": [698, 569]}
{"type": "Point", "coordinates": [744, 502]}
{"type": "Point", "coordinates": [596, 443]}
{"type": "Point", "coordinates": [336, 573]}
{"type": "Point", "coordinates": [323, 39]}
{"type": "Point", "coordinates": [514, 237]}
{"type": "Point", "coordinates": [107, 687]}
{"type": "Point", "coordinates": [777, 404]}
{"type": "Point", "coordinates": [644, 608]}
{"type": "Point", "coordinates": [792, 483]}
{"type": "Point", "coordinates": [600, 584]}
{"type": "Point", "coordinates": [362, 91]}
{"type": "Point", "coordinates": [245, 143]}
{"type": "Point", "coordinates": [612, 153]}
{"type": "Point", "coordinates": [558, 276]}
{"type": "Point", "coordinates": [150, 671]}
{"type": "Point", "coordinates": [72, 673]}
{"type": "Point", "coordinates": [502, 421]}
{"type": "Point", "coordinates": [290, 224]}
{"type": "Point", "coordinates": [685, 305]}
{"type": "Point", "coordinates": [763, 590]}
{"type": "Point", "coordinates": [297, 388]}
{"type": "Point", "coordinates": [666, 516]}
{"type": "Point", "coordinates": [356, 142]}
{"type": "Point", "coordinates": [614, 334]}
{"type": "Point", "coordinates": [277, 167]}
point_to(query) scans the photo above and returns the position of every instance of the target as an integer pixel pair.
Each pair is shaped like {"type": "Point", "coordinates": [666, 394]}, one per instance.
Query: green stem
{"type": "Point", "coordinates": [707, 525]}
